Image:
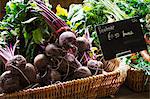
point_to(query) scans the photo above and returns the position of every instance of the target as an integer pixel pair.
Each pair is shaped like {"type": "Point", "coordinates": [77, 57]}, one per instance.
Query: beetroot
{"type": "Point", "coordinates": [69, 63]}
{"type": "Point", "coordinates": [82, 72]}
{"type": "Point", "coordinates": [67, 39]}
{"type": "Point", "coordinates": [12, 62]}
{"type": "Point", "coordinates": [83, 44]}
{"type": "Point", "coordinates": [18, 61]}
{"type": "Point", "coordinates": [30, 73]}
{"type": "Point", "coordinates": [19, 74]}
{"type": "Point", "coordinates": [28, 76]}
{"type": "Point", "coordinates": [55, 76]}
{"type": "Point", "coordinates": [95, 66]}
{"type": "Point", "coordinates": [50, 76]}
{"type": "Point", "coordinates": [74, 63]}
{"type": "Point", "coordinates": [1, 90]}
{"type": "Point", "coordinates": [53, 50]}
{"type": "Point", "coordinates": [41, 62]}
{"type": "Point", "coordinates": [9, 82]}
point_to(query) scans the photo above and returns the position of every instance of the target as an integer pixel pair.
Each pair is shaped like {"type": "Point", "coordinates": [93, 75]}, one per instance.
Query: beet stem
{"type": "Point", "coordinates": [58, 65]}
{"type": "Point", "coordinates": [81, 58]}
{"type": "Point", "coordinates": [55, 20]}
{"type": "Point", "coordinates": [44, 74]}
{"type": "Point", "coordinates": [96, 71]}
{"type": "Point", "coordinates": [9, 50]}
{"type": "Point", "coordinates": [48, 21]}
{"type": "Point", "coordinates": [86, 58]}
{"type": "Point", "coordinates": [3, 58]}
{"type": "Point", "coordinates": [14, 47]}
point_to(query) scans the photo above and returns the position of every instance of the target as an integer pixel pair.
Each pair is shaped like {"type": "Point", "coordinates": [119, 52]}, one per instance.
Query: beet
{"type": "Point", "coordinates": [69, 62]}
{"type": "Point", "coordinates": [18, 61]}
{"type": "Point", "coordinates": [53, 50]}
{"type": "Point", "coordinates": [30, 73]}
{"type": "Point", "coordinates": [63, 66]}
{"type": "Point", "coordinates": [9, 82]}
{"type": "Point", "coordinates": [1, 90]}
{"type": "Point", "coordinates": [95, 66]}
{"type": "Point", "coordinates": [67, 39]}
{"type": "Point", "coordinates": [55, 76]}
{"type": "Point", "coordinates": [28, 76]}
{"type": "Point", "coordinates": [82, 72]}
{"type": "Point", "coordinates": [83, 44]}
{"type": "Point", "coordinates": [74, 63]}
{"type": "Point", "coordinates": [50, 76]}
{"type": "Point", "coordinates": [41, 62]}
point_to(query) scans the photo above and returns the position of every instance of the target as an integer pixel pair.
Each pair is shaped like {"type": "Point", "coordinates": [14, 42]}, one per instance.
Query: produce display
{"type": "Point", "coordinates": [61, 55]}
{"type": "Point", "coordinates": [51, 48]}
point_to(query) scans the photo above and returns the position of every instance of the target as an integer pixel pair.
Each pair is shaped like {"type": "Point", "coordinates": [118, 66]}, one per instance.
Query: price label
{"type": "Point", "coordinates": [121, 38]}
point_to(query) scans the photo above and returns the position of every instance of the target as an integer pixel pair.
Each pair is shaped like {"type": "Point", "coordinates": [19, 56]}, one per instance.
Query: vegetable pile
{"type": "Point", "coordinates": [19, 74]}
{"type": "Point", "coordinates": [57, 53]}
{"type": "Point", "coordinates": [54, 48]}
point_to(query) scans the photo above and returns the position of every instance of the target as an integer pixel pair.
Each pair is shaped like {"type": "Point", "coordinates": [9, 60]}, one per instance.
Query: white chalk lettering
{"type": "Point", "coordinates": [127, 33]}
{"type": "Point", "coordinates": [106, 29]}
{"type": "Point", "coordinates": [113, 35]}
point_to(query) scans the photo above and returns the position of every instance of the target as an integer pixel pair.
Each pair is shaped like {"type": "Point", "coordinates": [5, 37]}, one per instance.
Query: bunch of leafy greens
{"type": "Point", "coordinates": [139, 63]}
{"type": "Point", "coordinates": [24, 23]}
{"type": "Point", "coordinates": [134, 7]}
{"type": "Point", "coordinates": [139, 8]}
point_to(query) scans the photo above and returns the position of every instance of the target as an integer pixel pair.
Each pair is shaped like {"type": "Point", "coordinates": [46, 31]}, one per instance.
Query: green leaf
{"type": "Point", "coordinates": [77, 16]}
{"type": "Point", "coordinates": [37, 36]}
{"type": "Point", "coordinates": [29, 20]}
{"type": "Point", "coordinates": [73, 8]}
{"type": "Point", "coordinates": [13, 33]}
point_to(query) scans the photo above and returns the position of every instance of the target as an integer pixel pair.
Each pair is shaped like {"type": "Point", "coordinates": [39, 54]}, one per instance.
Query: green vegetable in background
{"type": "Point", "coordinates": [139, 63]}
{"type": "Point", "coordinates": [23, 21]}
{"type": "Point", "coordinates": [134, 7]}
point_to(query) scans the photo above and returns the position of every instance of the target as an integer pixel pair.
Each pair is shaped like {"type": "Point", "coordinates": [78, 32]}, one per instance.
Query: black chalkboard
{"type": "Point", "coordinates": [121, 37]}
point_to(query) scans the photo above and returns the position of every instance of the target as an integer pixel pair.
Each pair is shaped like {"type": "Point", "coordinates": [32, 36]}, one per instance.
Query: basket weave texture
{"type": "Point", "coordinates": [137, 80]}
{"type": "Point", "coordinates": [86, 88]}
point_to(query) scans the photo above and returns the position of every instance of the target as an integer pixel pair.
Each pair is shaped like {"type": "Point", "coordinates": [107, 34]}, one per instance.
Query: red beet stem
{"type": "Point", "coordinates": [7, 53]}
{"type": "Point", "coordinates": [48, 21]}
{"type": "Point", "coordinates": [54, 19]}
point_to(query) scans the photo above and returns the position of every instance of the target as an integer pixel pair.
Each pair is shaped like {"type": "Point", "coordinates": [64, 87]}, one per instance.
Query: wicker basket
{"type": "Point", "coordinates": [137, 80]}
{"type": "Point", "coordinates": [85, 88]}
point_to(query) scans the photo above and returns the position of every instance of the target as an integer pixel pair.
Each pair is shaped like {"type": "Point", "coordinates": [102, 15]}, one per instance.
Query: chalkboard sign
{"type": "Point", "coordinates": [121, 38]}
